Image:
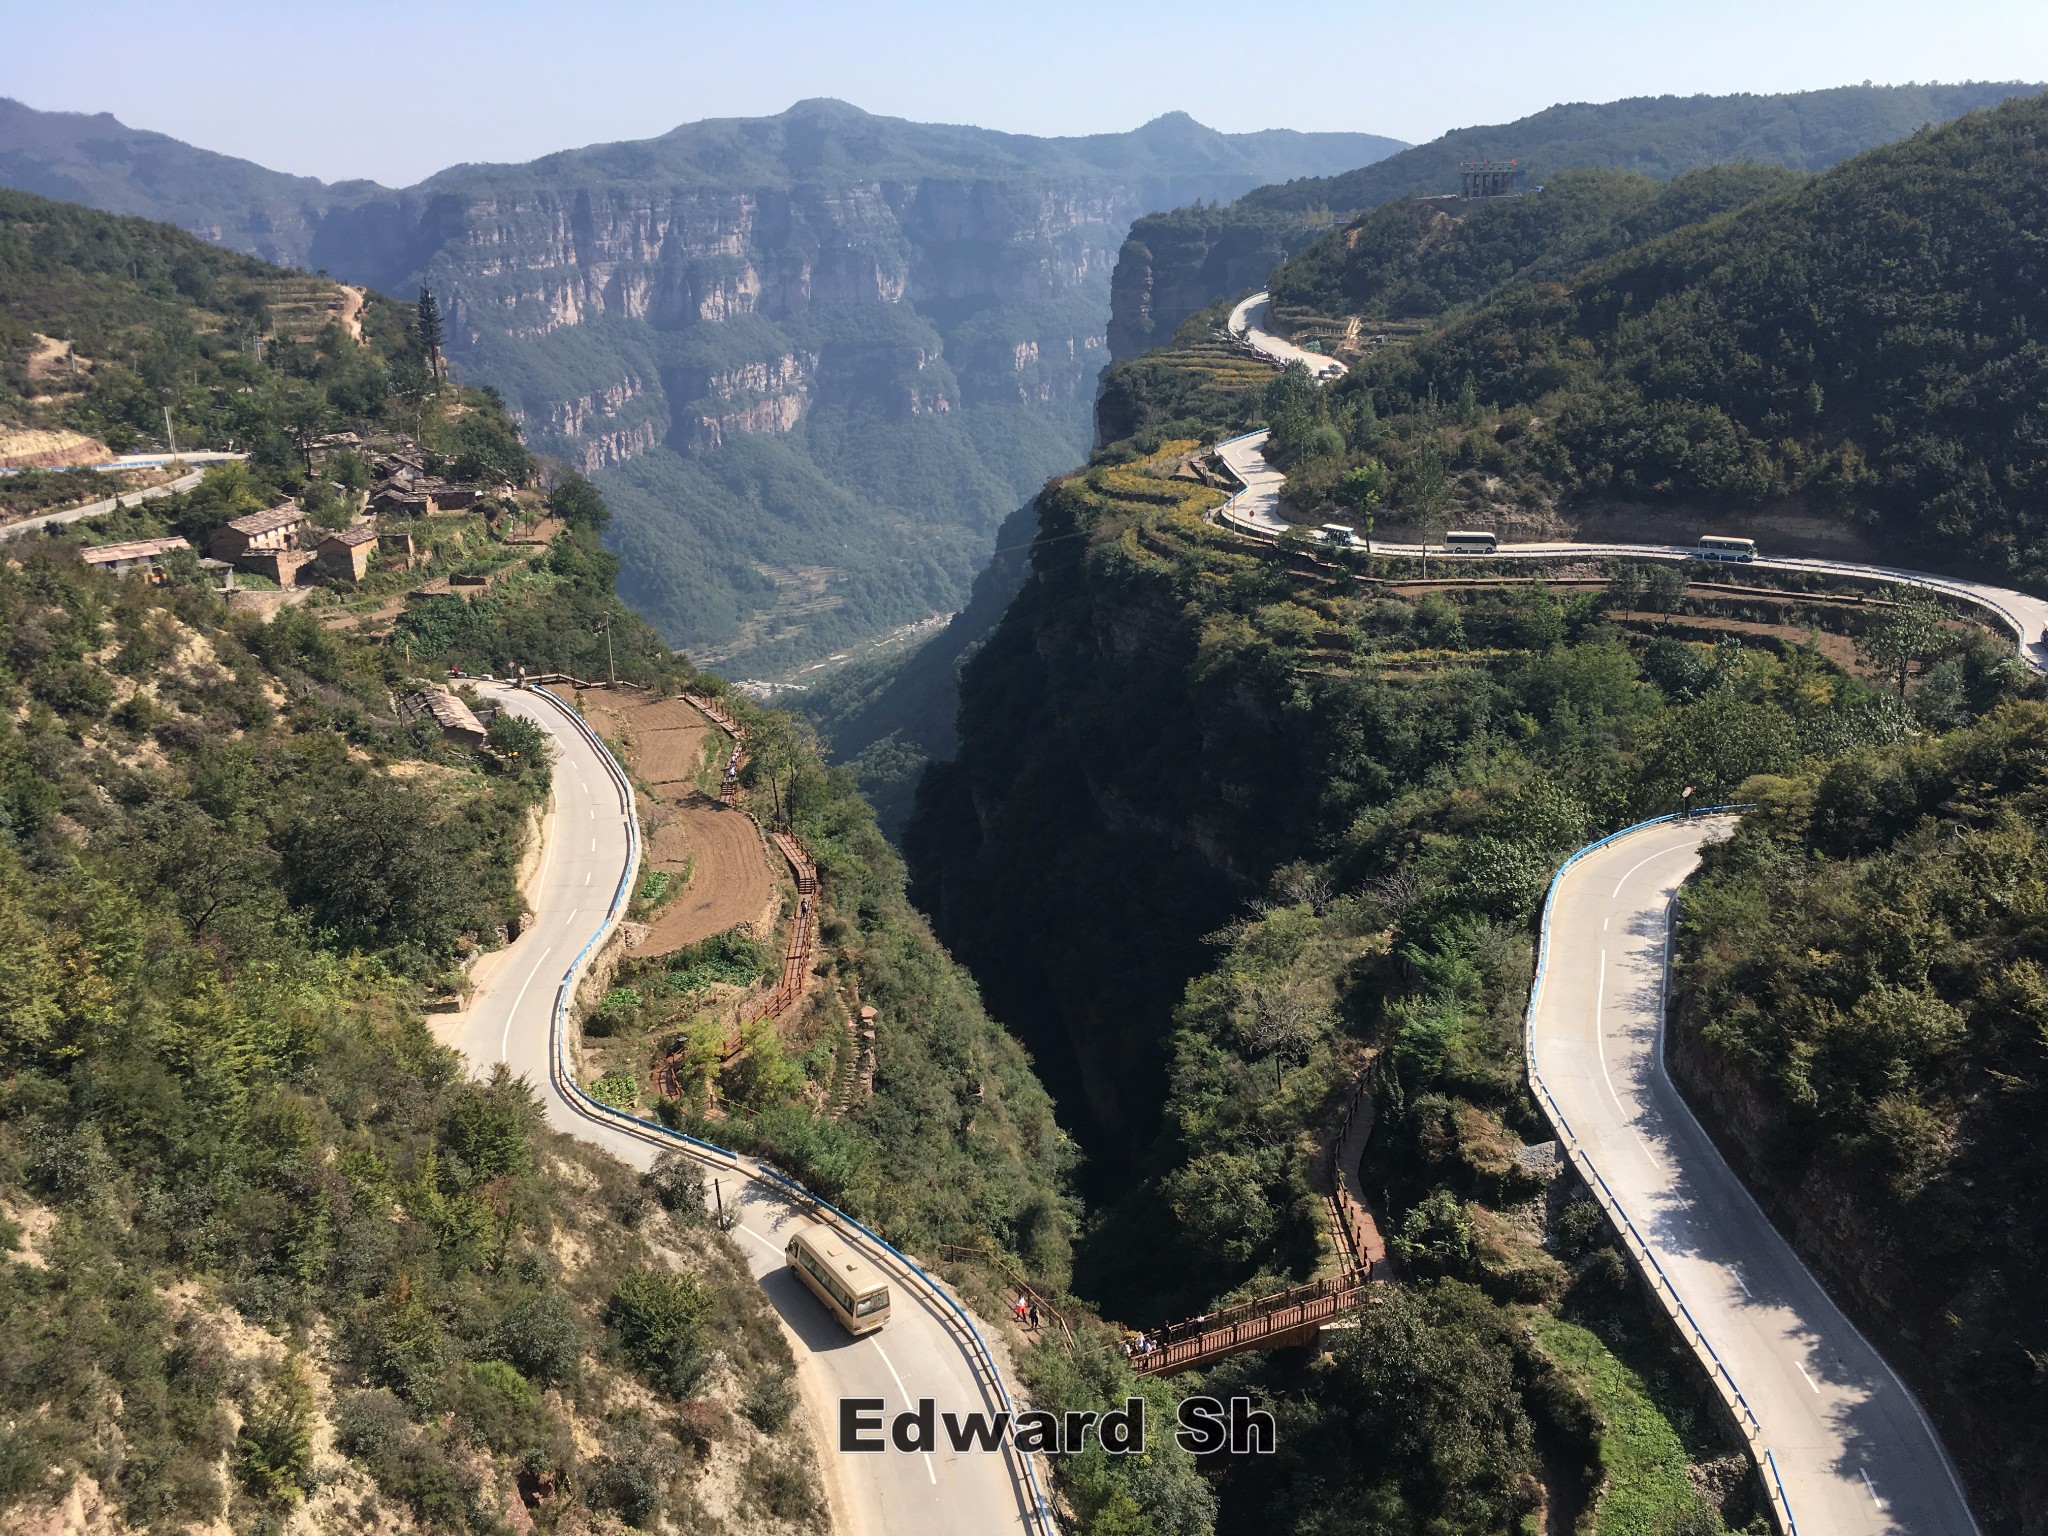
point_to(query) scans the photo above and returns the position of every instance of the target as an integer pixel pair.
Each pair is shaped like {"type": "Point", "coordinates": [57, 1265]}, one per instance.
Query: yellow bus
{"type": "Point", "coordinates": [851, 1288]}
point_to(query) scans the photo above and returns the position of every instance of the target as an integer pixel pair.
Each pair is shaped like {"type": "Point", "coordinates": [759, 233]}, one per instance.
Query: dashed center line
{"type": "Point", "coordinates": [1867, 1483]}
{"type": "Point", "coordinates": [1808, 1379]}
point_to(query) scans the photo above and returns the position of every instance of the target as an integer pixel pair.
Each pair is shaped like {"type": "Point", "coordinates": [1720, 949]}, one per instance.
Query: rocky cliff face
{"type": "Point", "coordinates": [1012, 275]}
{"type": "Point", "coordinates": [823, 353]}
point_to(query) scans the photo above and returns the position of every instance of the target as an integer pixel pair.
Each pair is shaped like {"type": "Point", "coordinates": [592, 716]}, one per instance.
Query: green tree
{"type": "Point", "coordinates": [1916, 629]}
{"type": "Point", "coordinates": [427, 326]}
{"type": "Point", "coordinates": [276, 1442]}
{"type": "Point", "coordinates": [658, 1317]}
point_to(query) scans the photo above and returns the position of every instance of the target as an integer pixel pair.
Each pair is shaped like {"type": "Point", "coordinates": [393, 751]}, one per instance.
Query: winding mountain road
{"type": "Point", "coordinates": [1255, 510]}
{"type": "Point", "coordinates": [1248, 322]}
{"type": "Point", "coordinates": [589, 864]}
{"type": "Point", "coordinates": [1844, 1448]}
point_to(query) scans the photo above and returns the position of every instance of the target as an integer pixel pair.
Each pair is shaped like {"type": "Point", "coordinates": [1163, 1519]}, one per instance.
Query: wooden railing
{"type": "Point", "coordinates": [1351, 1221]}
{"type": "Point", "coordinates": [1289, 1317]}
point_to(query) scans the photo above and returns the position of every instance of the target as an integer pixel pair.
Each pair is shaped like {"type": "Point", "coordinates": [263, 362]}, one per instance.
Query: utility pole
{"type": "Point", "coordinates": [611, 670]}
{"type": "Point", "coordinates": [170, 432]}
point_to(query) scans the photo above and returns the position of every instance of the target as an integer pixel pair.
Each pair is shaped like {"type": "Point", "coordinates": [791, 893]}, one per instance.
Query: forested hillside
{"type": "Point", "coordinates": [1183, 261]}
{"type": "Point", "coordinates": [1277, 816]}
{"type": "Point", "coordinates": [1862, 1016]}
{"type": "Point", "coordinates": [1266, 824]}
{"type": "Point", "coordinates": [1866, 343]}
{"type": "Point", "coordinates": [264, 1245]}
{"type": "Point", "coordinates": [1412, 259]}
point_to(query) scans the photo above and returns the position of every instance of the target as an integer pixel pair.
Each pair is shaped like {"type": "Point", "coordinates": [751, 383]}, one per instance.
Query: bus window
{"type": "Point", "coordinates": [1340, 534]}
{"type": "Point", "coordinates": [1471, 542]}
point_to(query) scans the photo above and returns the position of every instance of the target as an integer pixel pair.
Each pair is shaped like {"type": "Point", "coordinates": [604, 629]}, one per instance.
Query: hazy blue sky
{"type": "Point", "coordinates": [395, 91]}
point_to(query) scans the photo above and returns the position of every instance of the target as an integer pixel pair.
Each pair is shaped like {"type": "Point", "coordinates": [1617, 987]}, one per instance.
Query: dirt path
{"type": "Point", "coordinates": [731, 883]}
{"type": "Point", "coordinates": [351, 315]}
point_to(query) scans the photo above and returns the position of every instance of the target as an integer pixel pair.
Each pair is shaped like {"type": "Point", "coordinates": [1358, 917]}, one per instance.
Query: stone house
{"type": "Point", "coordinates": [398, 548]}
{"type": "Point", "coordinates": [267, 543]}
{"type": "Point", "coordinates": [346, 555]}
{"type": "Point", "coordinates": [145, 555]}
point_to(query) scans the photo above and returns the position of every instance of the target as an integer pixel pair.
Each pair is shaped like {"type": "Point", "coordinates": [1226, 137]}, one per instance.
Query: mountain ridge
{"type": "Point", "coordinates": [1177, 263]}
{"type": "Point", "coordinates": [815, 358]}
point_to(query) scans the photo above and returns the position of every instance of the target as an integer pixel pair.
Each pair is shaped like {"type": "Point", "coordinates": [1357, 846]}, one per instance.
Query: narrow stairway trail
{"type": "Point", "coordinates": [520, 1014]}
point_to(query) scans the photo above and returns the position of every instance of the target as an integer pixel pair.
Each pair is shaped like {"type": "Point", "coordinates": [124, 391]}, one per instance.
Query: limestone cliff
{"type": "Point", "coordinates": [816, 357]}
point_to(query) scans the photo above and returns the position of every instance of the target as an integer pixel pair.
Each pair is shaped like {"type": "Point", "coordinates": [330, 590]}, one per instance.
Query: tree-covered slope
{"type": "Point", "coordinates": [1867, 343]}
{"type": "Point", "coordinates": [1862, 1015]}
{"type": "Point", "coordinates": [1179, 262]}
{"type": "Point", "coordinates": [1226, 824]}
{"type": "Point", "coordinates": [264, 1245]}
{"type": "Point", "coordinates": [1411, 259]}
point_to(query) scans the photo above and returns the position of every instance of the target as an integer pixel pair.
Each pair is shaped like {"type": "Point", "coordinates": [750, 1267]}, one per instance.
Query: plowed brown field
{"type": "Point", "coordinates": [730, 880]}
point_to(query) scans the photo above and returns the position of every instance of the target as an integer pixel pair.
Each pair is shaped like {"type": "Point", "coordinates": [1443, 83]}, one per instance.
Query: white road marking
{"type": "Point", "coordinates": [593, 845]}
{"type": "Point", "coordinates": [505, 1040]}
{"type": "Point", "coordinates": [572, 914]}
{"type": "Point", "coordinates": [757, 1237]}
{"type": "Point", "coordinates": [1871, 1486]}
{"type": "Point", "coordinates": [1741, 1282]}
{"type": "Point", "coordinates": [907, 1401]}
{"type": "Point", "coordinates": [1639, 863]}
{"type": "Point", "coordinates": [1600, 1045]}
{"type": "Point", "coordinates": [1604, 922]}
{"type": "Point", "coordinates": [586, 877]}
{"type": "Point", "coordinates": [1808, 1379]}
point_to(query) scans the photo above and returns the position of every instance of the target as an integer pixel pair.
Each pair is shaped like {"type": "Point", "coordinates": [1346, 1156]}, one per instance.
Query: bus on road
{"type": "Point", "coordinates": [851, 1288]}
{"type": "Point", "coordinates": [1715, 546]}
{"type": "Point", "coordinates": [1342, 535]}
{"type": "Point", "coordinates": [1468, 542]}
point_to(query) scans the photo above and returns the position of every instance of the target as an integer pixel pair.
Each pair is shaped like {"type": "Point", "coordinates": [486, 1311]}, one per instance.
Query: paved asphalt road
{"type": "Point", "coordinates": [1248, 320]}
{"type": "Point", "coordinates": [1255, 510]}
{"type": "Point", "coordinates": [95, 508]}
{"type": "Point", "coordinates": [923, 1351]}
{"type": "Point", "coordinates": [1853, 1451]}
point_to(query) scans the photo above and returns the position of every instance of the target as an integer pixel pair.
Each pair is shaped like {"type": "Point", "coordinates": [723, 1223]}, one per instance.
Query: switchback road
{"type": "Point", "coordinates": [1843, 1445]}
{"type": "Point", "coordinates": [1248, 322]}
{"type": "Point", "coordinates": [589, 863]}
{"type": "Point", "coordinates": [1256, 510]}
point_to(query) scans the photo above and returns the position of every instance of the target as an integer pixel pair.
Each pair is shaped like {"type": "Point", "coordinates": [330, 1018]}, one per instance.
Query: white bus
{"type": "Point", "coordinates": [851, 1288]}
{"type": "Point", "coordinates": [1715, 546]}
{"type": "Point", "coordinates": [1342, 535]}
{"type": "Point", "coordinates": [1468, 542]}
